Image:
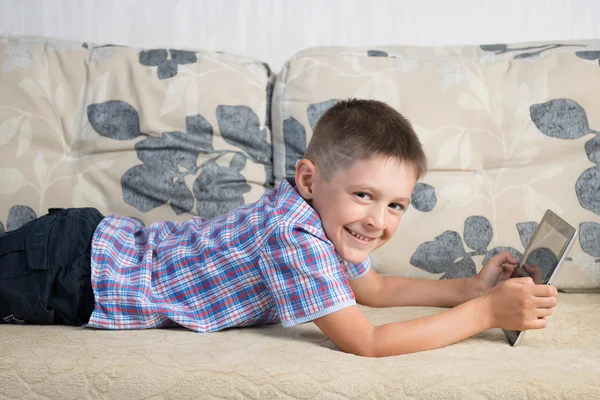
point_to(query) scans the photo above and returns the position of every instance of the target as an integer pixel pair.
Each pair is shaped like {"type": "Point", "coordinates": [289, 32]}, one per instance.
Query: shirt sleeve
{"type": "Point", "coordinates": [303, 275]}
{"type": "Point", "coordinates": [355, 271]}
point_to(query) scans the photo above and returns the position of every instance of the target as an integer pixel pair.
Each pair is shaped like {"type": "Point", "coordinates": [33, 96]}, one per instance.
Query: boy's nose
{"type": "Point", "coordinates": [376, 218]}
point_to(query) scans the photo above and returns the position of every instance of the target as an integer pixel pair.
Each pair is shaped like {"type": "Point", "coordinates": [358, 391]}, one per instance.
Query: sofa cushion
{"type": "Point", "coordinates": [155, 134]}
{"type": "Point", "coordinates": [273, 362]}
{"type": "Point", "coordinates": [509, 131]}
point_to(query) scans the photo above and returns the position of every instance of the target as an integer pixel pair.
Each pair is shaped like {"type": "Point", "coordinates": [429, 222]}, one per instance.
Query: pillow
{"type": "Point", "coordinates": [509, 131]}
{"type": "Point", "coordinates": [154, 134]}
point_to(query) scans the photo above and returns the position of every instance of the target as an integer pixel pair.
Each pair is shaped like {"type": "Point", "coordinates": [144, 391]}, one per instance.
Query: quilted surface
{"type": "Point", "coordinates": [561, 361]}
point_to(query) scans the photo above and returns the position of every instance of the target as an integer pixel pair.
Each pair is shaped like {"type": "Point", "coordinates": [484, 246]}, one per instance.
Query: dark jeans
{"type": "Point", "coordinates": [45, 273]}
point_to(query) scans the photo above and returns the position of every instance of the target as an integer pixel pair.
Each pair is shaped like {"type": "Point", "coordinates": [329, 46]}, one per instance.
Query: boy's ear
{"type": "Point", "coordinates": [305, 178]}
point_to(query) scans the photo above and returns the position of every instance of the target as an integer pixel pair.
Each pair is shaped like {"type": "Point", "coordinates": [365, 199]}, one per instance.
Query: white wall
{"type": "Point", "coordinates": [272, 30]}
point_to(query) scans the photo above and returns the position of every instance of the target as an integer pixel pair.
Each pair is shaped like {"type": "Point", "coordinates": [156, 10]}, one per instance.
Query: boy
{"type": "Point", "coordinates": [298, 254]}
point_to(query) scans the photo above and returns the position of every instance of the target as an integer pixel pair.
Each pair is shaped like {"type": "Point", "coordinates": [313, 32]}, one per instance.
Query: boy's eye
{"type": "Point", "coordinates": [362, 195]}
{"type": "Point", "coordinates": [398, 206]}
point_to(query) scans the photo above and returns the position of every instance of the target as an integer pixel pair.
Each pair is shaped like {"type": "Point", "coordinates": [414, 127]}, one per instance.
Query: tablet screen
{"type": "Point", "coordinates": [543, 253]}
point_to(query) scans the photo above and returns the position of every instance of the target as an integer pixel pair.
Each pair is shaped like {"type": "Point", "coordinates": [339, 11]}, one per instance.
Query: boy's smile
{"type": "Point", "coordinates": [361, 205]}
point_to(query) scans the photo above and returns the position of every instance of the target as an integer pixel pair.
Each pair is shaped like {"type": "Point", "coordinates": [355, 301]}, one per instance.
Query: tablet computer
{"type": "Point", "coordinates": [543, 256]}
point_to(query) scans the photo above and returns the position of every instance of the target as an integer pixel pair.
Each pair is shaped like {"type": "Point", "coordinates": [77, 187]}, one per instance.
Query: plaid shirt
{"type": "Point", "coordinates": [266, 262]}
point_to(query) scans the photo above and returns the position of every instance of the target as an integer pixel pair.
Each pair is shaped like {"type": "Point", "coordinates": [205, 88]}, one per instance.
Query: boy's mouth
{"type": "Point", "coordinates": [362, 238]}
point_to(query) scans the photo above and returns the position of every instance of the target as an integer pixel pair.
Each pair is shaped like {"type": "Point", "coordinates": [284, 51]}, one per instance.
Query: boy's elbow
{"type": "Point", "coordinates": [372, 300]}
{"type": "Point", "coordinates": [369, 290]}
{"type": "Point", "coordinates": [366, 301]}
{"type": "Point", "coordinates": [380, 344]}
{"type": "Point", "coordinates": [362, 348]}
{"type": "Point", "coordinates": [370, 353]}
{"type": "Point", "coordinates": [350, 331]}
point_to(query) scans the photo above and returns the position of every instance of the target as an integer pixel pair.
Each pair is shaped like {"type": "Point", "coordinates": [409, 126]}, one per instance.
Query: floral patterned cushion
{"type": "Point", "coordinates": [509, 130]}
{"type": "Point", "coordinates": [153, 134]}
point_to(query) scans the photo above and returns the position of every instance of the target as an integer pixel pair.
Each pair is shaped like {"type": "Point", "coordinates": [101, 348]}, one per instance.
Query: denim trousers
{"type": "Point", "coordinates": [45, 272]}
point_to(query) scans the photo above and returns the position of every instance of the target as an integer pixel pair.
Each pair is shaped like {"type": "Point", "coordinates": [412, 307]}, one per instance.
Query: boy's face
{"type": "Point", "coordinates": [361, 205]}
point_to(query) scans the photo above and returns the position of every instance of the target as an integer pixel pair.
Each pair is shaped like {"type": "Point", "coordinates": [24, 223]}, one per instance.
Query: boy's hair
{"type": "Point", "coordinates": [356, 129]}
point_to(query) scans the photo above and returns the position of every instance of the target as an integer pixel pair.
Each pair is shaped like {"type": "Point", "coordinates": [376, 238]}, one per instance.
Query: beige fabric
{"type": "Point", "coordinates": [272, 362]}
{"type": "Point", "coordinates": [475, 112]}
{"type": "Point", "coordinates": [54, 156]}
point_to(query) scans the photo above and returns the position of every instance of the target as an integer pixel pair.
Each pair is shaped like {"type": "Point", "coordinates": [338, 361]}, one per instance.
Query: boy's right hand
{"type": "Point", "coordinates": [518, 304]}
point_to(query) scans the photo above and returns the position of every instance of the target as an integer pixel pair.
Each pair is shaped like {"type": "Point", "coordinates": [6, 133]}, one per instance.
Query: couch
{"type": "Point", "coordinates": [157, 134]}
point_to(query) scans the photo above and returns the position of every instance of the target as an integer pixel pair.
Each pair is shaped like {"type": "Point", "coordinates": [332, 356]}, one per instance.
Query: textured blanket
{"type": "Point", "coordinates": [561, 361]}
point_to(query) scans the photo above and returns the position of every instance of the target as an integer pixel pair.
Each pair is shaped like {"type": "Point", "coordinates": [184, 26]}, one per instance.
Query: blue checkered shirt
{"type": "Point", "coordinates": [265, 262]}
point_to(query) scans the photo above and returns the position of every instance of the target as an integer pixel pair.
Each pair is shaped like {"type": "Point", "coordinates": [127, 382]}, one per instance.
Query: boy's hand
{"type": "Point", "coordinates": [534, 271]}
{"type": "Point", "coordinates": [519, 304]}
{"type": "Point", "coordinates": [498, 269]}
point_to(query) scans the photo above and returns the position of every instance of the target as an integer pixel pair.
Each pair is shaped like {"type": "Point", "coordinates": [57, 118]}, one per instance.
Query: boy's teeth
{"type": "Point", "coordinates": [358, 236]}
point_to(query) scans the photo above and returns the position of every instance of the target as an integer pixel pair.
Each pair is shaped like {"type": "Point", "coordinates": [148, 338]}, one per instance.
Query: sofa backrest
{"type": "Point", "coordinates": [154, 134]}
{"type": "Point", "coordinates": [161, 134]}
{"type": "Point", "coordinates": [509, 131]}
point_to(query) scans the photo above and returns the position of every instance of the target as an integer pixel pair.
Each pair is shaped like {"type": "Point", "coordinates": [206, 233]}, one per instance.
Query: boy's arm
{"type": "Point", "coordinates": [391, 291]}
{"type": "Point", "coordinates": [374, 290]}
{"type": "Point", "coordinates": [353, 333]}
{"type": "Point", "coordinates": [516, 304]}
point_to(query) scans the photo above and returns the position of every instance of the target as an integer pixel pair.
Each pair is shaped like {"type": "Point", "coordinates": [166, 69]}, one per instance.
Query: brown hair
{"type": "Point", "coordinates": [358, 129]}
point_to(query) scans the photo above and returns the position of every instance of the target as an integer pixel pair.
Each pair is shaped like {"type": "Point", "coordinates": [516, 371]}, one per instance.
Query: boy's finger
{"type": "Point", "coordinates": [509, 267]}
{"type": "Point", "coordinates": [504, 257]}
{"type": "Point", "coordinates": [509, 257]}
{"type": "Point", "coordinates": [543, 312]}
{"type": "Point", "coordinates": [544, 291]}
{"type": "Point", "coordinates": [508, 270]}
{"type": "Point", "coordinates": [545, 302]}
{"type": "Point", "coordinates": [538, 323]}
{"type": "Point", "coordinates": [523, 280]}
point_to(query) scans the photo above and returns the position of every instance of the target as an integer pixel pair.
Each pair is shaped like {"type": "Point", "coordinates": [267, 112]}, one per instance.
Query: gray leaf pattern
{"type": "Point", "coordinates": [589, 237]}
{"type": "Point", "coordinates": [496, 48]}
{"type": "Point", "coordinates": [589, 55]}
{"type": "Point", "coordinates": [240, 127]}
{"type": "Point", "coordinates": [464, 267]}
{"type": "Point", "coordinates": [270, 87]}
{"type": "Point", "coordinates": [438, 256]}
{"type": "Point", "coordinates": [377, 53]}
{"type": "Point", "coordinates": [560, 118]}
{"type": "Point", "coordinates": [316, 110]}
{"type": "Point", "coordinates": [526, 51]}
{"type": "Point", "coordinates": [167, 159]}
{"type": "Point", "coordinates": [114, 119]}
{"type": "Point", "coordinates": [526, 231]}
{"type": "Point", "coordinates": [587, 189]}
{"type": "Point", "coordinates": [19, 216]}
{"type": "Point", "coordinates": [592, 148]}
{"type": "Point", "coordinates": [446, 253]}
{"type": "Point", "coordinates": [219, 189]}
{"type": "Point", "coordinates": [294, 133]}
{"type": "Point", "coordinates": [294, 137]}
{"type": "Point", "coordinates": [167, 67]}
{"type": "Point", "coordinates": [423, 197]}
{"type": "Point", "coordinates": [478, 232]}
{"type": "Point", "coordinates": [566, 119]}
{"type": "Point", "coordinates": [148, 186]}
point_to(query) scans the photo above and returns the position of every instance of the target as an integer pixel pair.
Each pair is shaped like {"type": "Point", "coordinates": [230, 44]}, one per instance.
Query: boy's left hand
{"type": "Point", "coordinates": [498, 269]}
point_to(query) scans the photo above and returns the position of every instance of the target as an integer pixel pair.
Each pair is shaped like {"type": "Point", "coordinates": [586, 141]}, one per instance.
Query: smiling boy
{"type": "Point", "coordinates": [298, 254]}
